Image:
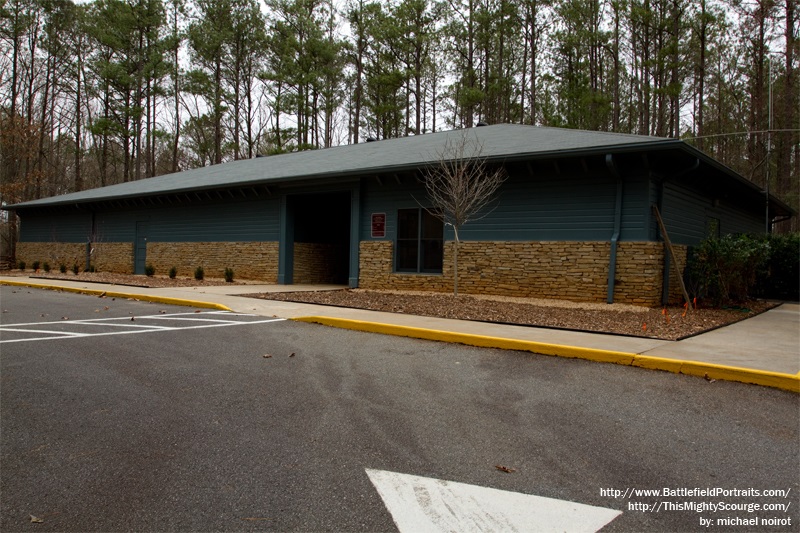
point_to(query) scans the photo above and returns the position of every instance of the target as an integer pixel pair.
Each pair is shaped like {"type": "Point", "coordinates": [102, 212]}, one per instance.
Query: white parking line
{"type": "Point", "coordinates": [127, 327]}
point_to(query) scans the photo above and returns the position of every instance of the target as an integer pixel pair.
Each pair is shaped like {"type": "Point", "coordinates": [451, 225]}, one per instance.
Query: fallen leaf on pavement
{"type": "Point", "coordinates": [267, 356]}
{"type": "Point", "coordinates": [292, 354]}
{"type": "Point", "coordinates": [505, 469]}
{"type": "Point", "coordinates": [37, 520]}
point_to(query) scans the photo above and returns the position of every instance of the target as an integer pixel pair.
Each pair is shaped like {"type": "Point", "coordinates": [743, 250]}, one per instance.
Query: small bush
{"type": "Point", "coordinates": [726, 270]}
{"type": "Point", "coordinates": [21, 265]}
{"type": "Point", "coordinates": [46, 267]}
{"type": "Point", "coordinates": [781, 277]}
{"type": "Point", "coordinates": [62, 268]}
{"type": "Point", "coordinates": [91, 268]}
{"type": "Point", "coordinates": [199, 274]}
{"type": "Point", "coordinates": [229, 275]}
{"type": "Point", "coordinates": [36, 265]}
{"type": "Point", "coordinates": [75, 269]}
{"type": "Point", "coordinates": [173, 272]}
{"type": "Point", "coordinates": [149, 270]}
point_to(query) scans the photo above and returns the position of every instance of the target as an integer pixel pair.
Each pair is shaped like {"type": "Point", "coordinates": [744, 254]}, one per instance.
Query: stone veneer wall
{"type": "Point", "coordinates": [249, 260]}
{"type": "Point", "coordinates": [53, 253]}
{"type": "Point", "coordinates": [318, 263]}
{"type": "Point", "coordinates": [567, 270]}
{"type": "Point", "coordinates": [113, 257]}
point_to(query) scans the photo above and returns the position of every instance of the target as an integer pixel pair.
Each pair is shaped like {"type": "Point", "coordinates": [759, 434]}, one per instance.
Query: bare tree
{"type": "Point", "coordinates": [460, 186]}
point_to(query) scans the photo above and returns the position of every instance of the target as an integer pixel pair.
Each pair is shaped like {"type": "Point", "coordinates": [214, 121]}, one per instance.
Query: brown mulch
{"type": "Point", "coordinates": [669, 324]}
{"type": "Point", "coordinates": [620, 319]}
{"type": "Point", "coordinates": [121, 279]}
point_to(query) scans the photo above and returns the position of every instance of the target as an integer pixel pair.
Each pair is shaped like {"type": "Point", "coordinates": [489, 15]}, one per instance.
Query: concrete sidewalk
{"type": "Point", "coordinates": [764, 349]}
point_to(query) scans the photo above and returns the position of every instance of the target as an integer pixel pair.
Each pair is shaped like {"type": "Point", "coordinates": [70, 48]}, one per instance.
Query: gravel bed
{"type": "Point", "coordinates": [121, 279]}
{"type": "Point", "coordinates": [668, 324]}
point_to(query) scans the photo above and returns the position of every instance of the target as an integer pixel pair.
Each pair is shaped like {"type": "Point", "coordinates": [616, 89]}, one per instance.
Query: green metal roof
{"type": "Point", "coordinates": [501, 142]}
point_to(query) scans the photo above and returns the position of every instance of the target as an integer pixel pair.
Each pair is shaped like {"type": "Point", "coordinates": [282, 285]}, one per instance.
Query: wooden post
{"type": "Point", "coordinates": [672, 254]}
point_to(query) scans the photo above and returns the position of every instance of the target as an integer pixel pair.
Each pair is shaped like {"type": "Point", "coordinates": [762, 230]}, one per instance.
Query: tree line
{"type": "Point", "coordinates": [109, 91]}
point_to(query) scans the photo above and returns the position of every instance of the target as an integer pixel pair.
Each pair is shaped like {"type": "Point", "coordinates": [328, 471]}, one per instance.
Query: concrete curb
{"type": "Point", "coordinates": [114, 294]}
{"type": "Point", "coordinates": [777, 380]}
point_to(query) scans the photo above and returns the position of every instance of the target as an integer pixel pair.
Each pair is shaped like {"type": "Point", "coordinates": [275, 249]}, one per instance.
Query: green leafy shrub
{"type": "Point", "coordinates": [726, 270]}
{"type": "Point", "coordinates": [780, 277]}
{"type": "Point", "coordinates": [46, 266]}
{"type": "Point", "coordinates": [229, 275]}
{"type": "Point", "coordinates": [149, 270]}
{"type": "Point", "coordinates": [21, 265]}
{"type": "Point", "coordinates": [36, 265]}
{"type": "Point", "coordinates": [173, 272]}
{"type": "Point", "coordinates": [199, 274]}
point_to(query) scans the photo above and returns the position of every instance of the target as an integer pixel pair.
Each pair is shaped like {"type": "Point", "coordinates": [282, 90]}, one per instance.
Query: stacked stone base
{"type": "Point", "coordinates": [249, 260]}
{"type": "Point", "coordinates": [316, 263]}
{"type": "Point", "coordinates": [103, 256]}
{"type": "Point", "coordinates": [566, 270]}
{"type": "Point", "coordinates": [576, 271]}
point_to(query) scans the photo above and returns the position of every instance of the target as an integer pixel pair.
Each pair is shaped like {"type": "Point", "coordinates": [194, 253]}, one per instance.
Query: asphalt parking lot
{"type": "Point", "coordinates": [118, 415]}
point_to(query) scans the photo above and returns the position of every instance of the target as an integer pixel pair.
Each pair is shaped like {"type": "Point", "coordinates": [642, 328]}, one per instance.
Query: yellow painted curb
{"type": "Point", "coordinates": [114, 294]}
{"type": "Point", "coordinates": [692, 368]}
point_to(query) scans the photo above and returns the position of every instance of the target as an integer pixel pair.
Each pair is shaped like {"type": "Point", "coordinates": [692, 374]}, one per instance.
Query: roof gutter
{"type": "Point", "coordinates": [612, 262]}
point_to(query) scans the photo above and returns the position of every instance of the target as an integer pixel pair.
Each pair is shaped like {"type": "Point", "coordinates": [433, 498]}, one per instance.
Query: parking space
{"type": "Point", "coordinates": [155, 323]}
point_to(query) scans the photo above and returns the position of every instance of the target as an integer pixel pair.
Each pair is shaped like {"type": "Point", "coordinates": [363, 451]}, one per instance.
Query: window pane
{"type": "Point", "coordinates": [408, 224]}
{"type": "Point", "coordinates": [407, 255]}
{"type": "Point", "coordinates": [432, 255]}
{"type": "Point", "coordinates": [432, 227]}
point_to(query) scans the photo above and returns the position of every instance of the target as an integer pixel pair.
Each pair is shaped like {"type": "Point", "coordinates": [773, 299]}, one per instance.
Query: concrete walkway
{"type": "Point", "coordinates": [764, 349]}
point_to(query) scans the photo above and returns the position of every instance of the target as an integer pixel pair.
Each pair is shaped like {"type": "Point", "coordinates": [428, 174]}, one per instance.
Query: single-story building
{"type": "Point", "coordinates": [574, 218]}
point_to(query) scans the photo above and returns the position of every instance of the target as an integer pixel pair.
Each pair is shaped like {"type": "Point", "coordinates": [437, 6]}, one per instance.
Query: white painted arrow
{"type": "Point", "coordinates": [421, 504]}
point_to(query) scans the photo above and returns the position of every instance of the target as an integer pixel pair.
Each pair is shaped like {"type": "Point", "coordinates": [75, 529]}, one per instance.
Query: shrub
{"type": "Point", "coordinates": [46, 267]}
{"type": "Point", "coordinates": [36, 265]}
{"type": "Point", "coordinates": [199, 273]}
{"type": "Point", "coordinates": [91, 268]}
{"type": "Point", "coordinates": [75, 269]}
{"type": "Point", "coordinates": [21, 265]}
{"type": "Point", "coordinates": [780, 277]}
{"type": "Point", "coordinates": [173, 272]}
{"type": "Point", "coordinates": [726, 270]}
{"type": "Point", "coordinates": [229, 275]}
{"type": "Point", "coordinates": [149, 270]}
{"type": "Point", "coordinates": [62, 268]}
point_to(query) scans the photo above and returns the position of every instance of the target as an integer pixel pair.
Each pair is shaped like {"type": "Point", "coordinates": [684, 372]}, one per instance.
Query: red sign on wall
{"type": "Point", "coordinates": [378, 225]}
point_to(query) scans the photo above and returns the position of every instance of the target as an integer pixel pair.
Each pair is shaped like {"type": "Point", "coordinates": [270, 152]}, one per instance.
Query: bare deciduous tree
{"type": "Point", "coordinates": [460, 186]}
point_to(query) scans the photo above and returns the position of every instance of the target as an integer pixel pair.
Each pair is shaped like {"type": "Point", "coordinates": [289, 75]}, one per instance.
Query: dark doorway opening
{"type": "Point", "coordinates": [321, 238]}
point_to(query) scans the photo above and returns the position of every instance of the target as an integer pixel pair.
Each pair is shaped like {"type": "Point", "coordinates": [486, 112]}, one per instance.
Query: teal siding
{"type": "Point", "coordinates": [243, 221]}
{"type": "Point", "coordinates": [64, 227]}
{"type": "Point", "coordinates": [528, 208]}
{"type": "Point", "coordinates": [687, 214]}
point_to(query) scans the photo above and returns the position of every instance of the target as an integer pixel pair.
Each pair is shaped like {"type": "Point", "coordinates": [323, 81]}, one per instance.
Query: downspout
{"type": "Point", "coordinates": [612, 262]}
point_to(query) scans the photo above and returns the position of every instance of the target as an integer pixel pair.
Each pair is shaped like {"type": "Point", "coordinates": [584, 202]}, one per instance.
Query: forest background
{"type": "Point", "coordinates": [98, 93]}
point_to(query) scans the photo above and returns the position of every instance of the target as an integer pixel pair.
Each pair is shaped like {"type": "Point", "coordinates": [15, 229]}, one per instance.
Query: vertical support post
{"type": "Point", "coordinates": [286, 243]}
{"type": "Point", "coordinates": [612, 262]}
{"type": "Point", "coordinates": [355, 234]}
